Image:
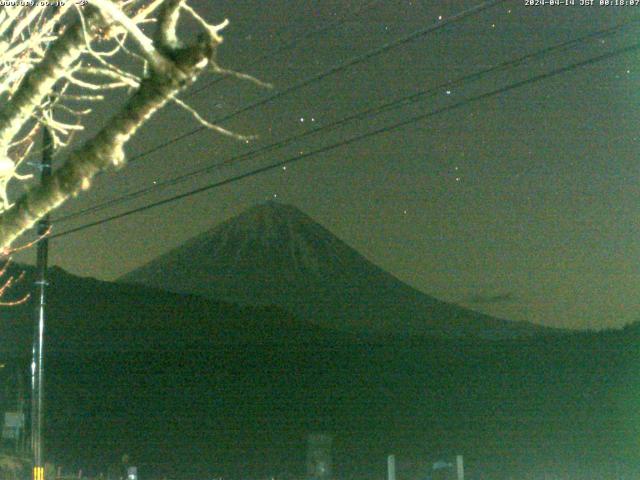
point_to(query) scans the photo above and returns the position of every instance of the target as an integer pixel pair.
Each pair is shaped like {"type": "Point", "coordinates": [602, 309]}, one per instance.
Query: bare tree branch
{"type": "Point", "coordinates": [82, 60]}
{"type": "Point", "coordinates": [39, 82]}
{"type": "Point", "coordinates": [106, 148]}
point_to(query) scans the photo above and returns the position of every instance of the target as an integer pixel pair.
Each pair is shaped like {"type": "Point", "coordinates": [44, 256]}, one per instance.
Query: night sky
{"type": "Point", "coordinates": [523, 205]}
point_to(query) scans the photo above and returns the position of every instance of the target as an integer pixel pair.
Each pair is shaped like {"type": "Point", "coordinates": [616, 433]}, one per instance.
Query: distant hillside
{"type": "Point", "coordinates": [93, 315]}
{"type": "Point", "coordinates": [193, 388]}
{"type": "Point", "coordinates": [273, 254]}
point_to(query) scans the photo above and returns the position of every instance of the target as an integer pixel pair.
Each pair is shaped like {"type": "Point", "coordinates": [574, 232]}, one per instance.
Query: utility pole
{"type": "Point", "coordinates": [37, 363]}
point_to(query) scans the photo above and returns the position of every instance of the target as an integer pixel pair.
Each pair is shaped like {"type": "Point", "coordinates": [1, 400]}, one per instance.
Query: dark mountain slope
{"type": "Point", "coordinates": [193, 388]}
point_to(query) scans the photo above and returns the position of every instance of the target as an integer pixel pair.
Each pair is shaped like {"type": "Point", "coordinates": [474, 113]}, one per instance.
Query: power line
{"type": "Point", "coordinates": [389, 128]}
{"type": "Point", "coordinates": [336, 68]}
{"type": "Point", "coordinates": [394, 104]}
{"type": "Point", "coordinates": [332, 70]}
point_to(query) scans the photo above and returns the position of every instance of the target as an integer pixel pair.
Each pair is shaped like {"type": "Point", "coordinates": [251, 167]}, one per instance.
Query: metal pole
{"type": "Point", "coordinates": [391, 467]}
{"type": "Point", "coordinates": [460, 467]}
{"type": "Point", "coordinates": [37, 363]}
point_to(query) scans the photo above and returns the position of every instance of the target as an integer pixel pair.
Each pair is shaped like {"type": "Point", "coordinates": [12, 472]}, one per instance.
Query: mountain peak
{"type": "Point", "coordinates": [274, 254]}
{"type": "Point", "coordinates": [274, 205]}
{"type": "Point", "coordinates": [268, 212]}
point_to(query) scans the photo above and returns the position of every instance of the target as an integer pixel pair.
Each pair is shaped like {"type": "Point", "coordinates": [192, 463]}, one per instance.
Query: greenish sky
{"type": "Point", "coordinates": [524, 205]}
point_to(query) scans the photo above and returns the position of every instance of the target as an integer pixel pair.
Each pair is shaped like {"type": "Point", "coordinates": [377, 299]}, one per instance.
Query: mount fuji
{"type": "Point", "coordinates": [274, 254]}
